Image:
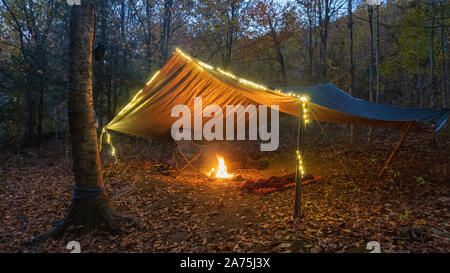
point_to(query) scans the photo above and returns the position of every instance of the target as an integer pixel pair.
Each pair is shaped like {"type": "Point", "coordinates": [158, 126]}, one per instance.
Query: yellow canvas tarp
{"type": "Point", "coordinates": [148, 115]}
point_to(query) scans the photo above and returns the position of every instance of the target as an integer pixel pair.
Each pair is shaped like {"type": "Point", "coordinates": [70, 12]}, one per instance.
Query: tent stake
{"type": "Point", "coordinates": [399, 143]}
{"type": "Point", "coordinates": [298, 173]}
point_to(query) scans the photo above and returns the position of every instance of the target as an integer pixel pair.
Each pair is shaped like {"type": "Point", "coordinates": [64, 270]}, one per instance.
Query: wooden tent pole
{"type": "Point", "coordinates": [399, 143]}
{"type": "Point", "coordinates": [299, 176]}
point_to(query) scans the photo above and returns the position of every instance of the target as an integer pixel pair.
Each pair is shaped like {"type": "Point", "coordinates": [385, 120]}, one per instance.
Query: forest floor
{"type": "Point", "coordinates": [407, 210]}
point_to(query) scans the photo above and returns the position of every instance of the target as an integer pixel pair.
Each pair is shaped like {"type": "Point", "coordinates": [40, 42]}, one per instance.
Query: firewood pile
{"type": "Point", "coordinates": [164, 169]}
{"type": "Point", "coordinates": [276, 183]}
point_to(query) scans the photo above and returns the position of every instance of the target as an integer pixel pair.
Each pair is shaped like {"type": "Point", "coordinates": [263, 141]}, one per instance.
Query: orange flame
{"type": "Point", "coordinates": [221, 171]}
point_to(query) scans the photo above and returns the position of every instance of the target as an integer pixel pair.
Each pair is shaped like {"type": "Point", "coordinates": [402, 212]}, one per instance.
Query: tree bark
{"type": "Point", "coordinates": [279, 53]}
{"type": "Point", "coordinates": [40, 111]}
{"type": "Point", "coordinates": [324, 21]}
{"type": "Point", "coordinates": [83, 213]}
{"type": "Point", "coordinates": [310, 44]}
{"type": "Point", "coordinates": [233, 6]}
{"type": "Point", "coordinates": [377, 53]}
{"type": "Point", "coordinates": [431, 57]}
{"type": "Point", "coordinates": [149, 39]}
{"type": "Point", "coordinates": [29, 103]}
{"type": "Point", "coordinates": [370, 11]}
{"type": "Point", "coordinates": [109, 96]}
{"type": "Point", "coordinates": [442, 41]}
{"type": "Point", "coordinates": [419, 87]}
{"type": "Point", "coordinates": [85, 156]}
{"type": "Point", "coordinates": [124, 74]}
{"type": "Point", "coordinates": [350, 62]}
{"type": "Point", "coordinates": [165, 32]}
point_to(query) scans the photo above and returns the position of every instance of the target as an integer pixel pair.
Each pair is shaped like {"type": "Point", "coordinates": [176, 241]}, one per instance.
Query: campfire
{"type": "Point", "coordinates": [221, 170]}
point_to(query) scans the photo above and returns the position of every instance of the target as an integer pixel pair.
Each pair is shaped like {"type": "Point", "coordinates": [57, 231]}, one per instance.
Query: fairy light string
{"type": "Point", "coordinates": [113, 149]}
{"type": "Point", "coordinates": [303, 99]}
{"type": "Point", "coordinates": [201, 65]}
{"type": "Point", "coordinates": [124, 109]}
{"type": "Point", "coordinates": [305, 117]}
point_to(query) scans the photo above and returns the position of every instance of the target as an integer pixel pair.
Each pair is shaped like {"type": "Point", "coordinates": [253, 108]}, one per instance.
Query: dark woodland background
{"type": "Point", "coordinates": [400, 52]}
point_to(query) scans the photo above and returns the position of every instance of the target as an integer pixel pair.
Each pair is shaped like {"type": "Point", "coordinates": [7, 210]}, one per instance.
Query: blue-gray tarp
{"type": "Point", "coordinates": [329, 96]}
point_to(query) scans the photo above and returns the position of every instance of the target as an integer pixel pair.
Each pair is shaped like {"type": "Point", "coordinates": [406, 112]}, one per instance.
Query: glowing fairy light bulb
{"type": "Point", "coordinates": [300, 163]}
{"type": "Point", "coordinates": [252, 84]}
{"type": "Point", "coordinates": [137, 94]}
{"type": "Point", "coordinates": [227, 74]}
{"type": "Point", "coordinates": [207, 66]}
{"type": "Point", "coordinates": [182, 54]}
{"type": "Point", "coordinates": [154, 76]}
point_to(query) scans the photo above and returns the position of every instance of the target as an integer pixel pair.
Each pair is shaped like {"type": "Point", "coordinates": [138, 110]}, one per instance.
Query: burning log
{"type": "Point", "coordinates": [221, 170]}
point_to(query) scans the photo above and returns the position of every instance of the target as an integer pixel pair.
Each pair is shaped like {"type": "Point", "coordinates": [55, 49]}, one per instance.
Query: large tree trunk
{"type": "Point", "coordinates": [85, 156]}
{"type": "Point", "coordinates": [88, 210]}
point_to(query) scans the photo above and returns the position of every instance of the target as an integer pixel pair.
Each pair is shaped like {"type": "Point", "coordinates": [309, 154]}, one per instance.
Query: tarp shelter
{"type": "Point", "coordinates": [182, 79]}
{"type": "Point", "coordinates": [148, 115]}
